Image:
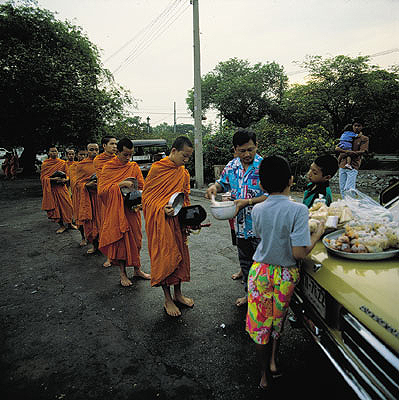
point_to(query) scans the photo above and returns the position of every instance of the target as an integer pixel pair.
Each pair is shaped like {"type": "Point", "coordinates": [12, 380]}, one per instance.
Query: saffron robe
{"type": "Point", "coordinates": [88, 210]}
{"type": "Point", "coordinates": [120, 235]}
{"type": "Point", "coordinates": [170, 259]}
{"type": "Point", "coordinates": [99, 162]}
{"type": "Point", "coordinates": [56, 199]}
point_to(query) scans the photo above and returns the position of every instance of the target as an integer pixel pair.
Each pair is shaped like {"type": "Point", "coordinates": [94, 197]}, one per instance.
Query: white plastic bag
{"type": "Point", "coordinates": [364, 208]}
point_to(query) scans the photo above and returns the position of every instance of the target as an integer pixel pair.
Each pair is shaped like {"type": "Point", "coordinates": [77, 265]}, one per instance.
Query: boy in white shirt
{"type": "Point", "coordinates": [282, 226]}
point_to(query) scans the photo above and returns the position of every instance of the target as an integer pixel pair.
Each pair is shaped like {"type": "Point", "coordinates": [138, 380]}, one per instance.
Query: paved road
{"type": "Point", "coordinates": [70, 331]}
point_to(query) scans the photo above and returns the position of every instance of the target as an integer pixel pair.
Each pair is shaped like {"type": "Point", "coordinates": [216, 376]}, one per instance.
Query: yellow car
{"type": "Point", "coordinates": [351, 309]}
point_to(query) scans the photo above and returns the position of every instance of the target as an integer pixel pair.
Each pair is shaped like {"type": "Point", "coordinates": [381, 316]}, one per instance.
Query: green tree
{"type": "Point", "coordinates": [53, 88]}
{"type": "Point", "coordinates": [242, 93]}
{"type": "Point", "coordinates": [345, 87]}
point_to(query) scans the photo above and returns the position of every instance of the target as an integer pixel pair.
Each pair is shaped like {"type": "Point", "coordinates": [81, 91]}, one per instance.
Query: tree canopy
{"type": "Point", "coordinates": [53, 87]}
{"type": "Point", "coordinates": [242, 93]}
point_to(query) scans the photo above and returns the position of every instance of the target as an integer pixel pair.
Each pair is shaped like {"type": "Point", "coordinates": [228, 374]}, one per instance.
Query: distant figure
{"type": "Point", "coordinates": [10, 165]}
{"type": "Point", "coordinates": [347, 177]}
{"type": "Point", "coordinates": [346, 143]}
{"type": "Point", "coordinates": [56, 199]}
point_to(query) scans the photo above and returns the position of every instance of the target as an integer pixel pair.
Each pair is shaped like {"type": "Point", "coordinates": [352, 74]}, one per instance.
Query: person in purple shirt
{"type": "Point", "coordinates": [240, 177]}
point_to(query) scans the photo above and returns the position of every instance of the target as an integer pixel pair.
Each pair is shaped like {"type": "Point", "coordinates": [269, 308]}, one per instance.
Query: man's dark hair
{"type": "Point", "coordinates": [125, 142]}
{"type": "Point", "coordinates": [243, 136]}
{"type": "Point", "coordinates": [52, 146]}
{"type": "Point", "coordinates": [328, 164]}
{"type": "Point", "coordinates": [106, 139]}
{"type": "Point", "coordinates": [357, 120]}
{"type": "Point", "coordinates": [180, 142]}
{"type": "Point", "coordinates": [274, 174]}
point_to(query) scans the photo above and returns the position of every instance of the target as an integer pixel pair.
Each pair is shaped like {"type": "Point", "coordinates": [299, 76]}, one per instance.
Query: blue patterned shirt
{"type": "Point", "coordinates": [242, 185]}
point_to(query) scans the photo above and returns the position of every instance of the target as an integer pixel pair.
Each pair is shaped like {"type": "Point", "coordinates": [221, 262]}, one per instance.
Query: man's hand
{"type": "Point", "coordinates": [212, 190]}
{"type": "Point", "coordinates": [169, 210]}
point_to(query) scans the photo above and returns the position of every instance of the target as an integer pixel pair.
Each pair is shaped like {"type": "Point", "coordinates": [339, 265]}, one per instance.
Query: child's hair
{"type": "Point", "coordinates": [328, 164]}
{"type": "Point", "coordinates": [180, 142]}
{"type": "Point", "coordinates": [274, 174]}
{"type": "Point", "coordinates": [243, 136]}
{"type": "Point", "coordinates": [347, 127]}
{"type": "Point", "coordinates": [125, 142]}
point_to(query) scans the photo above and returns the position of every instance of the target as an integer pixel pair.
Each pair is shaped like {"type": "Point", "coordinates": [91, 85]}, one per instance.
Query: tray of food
{"type": "Point", "coordinates": [367, 244]}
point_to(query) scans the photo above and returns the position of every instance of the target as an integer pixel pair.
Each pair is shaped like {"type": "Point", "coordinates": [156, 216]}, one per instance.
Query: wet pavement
{"type": "Point", "coordinates": [70, 331]}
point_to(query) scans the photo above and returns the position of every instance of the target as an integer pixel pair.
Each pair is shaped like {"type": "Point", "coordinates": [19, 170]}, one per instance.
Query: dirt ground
{"type": "Point", "coordinates": [70, 331]}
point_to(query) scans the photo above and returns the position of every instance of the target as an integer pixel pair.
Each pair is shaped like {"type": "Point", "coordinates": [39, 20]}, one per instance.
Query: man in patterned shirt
{"type": "Point", "coordinates": [241, 177]}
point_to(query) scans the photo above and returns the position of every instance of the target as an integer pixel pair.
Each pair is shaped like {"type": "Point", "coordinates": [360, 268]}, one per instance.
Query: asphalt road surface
{"type": "Point", "coordinates": [70, 331]}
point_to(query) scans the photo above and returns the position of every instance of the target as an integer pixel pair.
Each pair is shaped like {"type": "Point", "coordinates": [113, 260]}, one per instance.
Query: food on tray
{"type": "Point", "coordinates": [313, 225]}
{"type": "Point", "coordinates": [337, 209]}
{"type": "Point", "coordinates": [366, 238]}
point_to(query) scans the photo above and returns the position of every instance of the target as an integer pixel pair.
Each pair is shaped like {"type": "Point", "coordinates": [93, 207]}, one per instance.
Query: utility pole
{"type": "Point", "coordinates": [148, 124]}
{"type": "Point", "coordinates": [174, 118]}
{"type": "Point", "coordinates": [199, 167]}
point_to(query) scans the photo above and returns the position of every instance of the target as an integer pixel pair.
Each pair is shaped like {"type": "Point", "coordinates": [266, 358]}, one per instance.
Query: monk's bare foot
{"type": "Point", "coordinates": [125, 281]}
{"type": "Point", "coordinates": [61, 229]}
{"type": "Point", "coordinates": [138, 272]}
{"type": "Point", "coordinates": [72, 226]}
{"type": "Point", "coordinates": [92, 249]}
{"type": "Point", "coordinates": [107, 263]}
{"type": "Point", "coordinates": [171, 309]}
{"type": "Point", "coordinates": [184, 300]}
{"type": "Point", "coordinates": [237, 275]}
{"type": "Point", "coordinates": [241, 301]}
{"type": "Point", "coordinates": [83, 243]}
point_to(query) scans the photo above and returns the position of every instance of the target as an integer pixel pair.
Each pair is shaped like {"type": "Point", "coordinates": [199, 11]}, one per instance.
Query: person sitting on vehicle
{"type": "Point", "coordinates": [321, 171]}
{"type": "Point", "coordinates": [282, 226]}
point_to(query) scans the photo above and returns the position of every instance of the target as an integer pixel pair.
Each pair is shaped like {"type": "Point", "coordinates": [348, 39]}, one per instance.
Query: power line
{"type": "Point", "coordinates": [381, 53]}
{"type": "Point", "coordinates": [141, 31]}
{"type": "Point", "coordinates": [155, 29]}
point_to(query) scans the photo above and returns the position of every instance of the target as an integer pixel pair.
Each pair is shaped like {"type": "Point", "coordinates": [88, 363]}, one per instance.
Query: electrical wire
{"type": "Point", "coordinates": [154, 31]}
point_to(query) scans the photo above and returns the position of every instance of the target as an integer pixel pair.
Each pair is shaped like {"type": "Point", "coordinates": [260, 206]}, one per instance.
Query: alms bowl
{"type": "Point", "coordinates": [223, 209]}
{"type": "Point", "coordinates": [176, 201]}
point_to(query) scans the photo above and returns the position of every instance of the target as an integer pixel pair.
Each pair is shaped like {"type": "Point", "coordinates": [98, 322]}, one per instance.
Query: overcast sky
{"type": "Point", "coordinates": [156, 62]}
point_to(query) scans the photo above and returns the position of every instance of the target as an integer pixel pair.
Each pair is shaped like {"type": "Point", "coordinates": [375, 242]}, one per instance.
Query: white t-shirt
{"type": "Point", "coordinates": [281, 224]}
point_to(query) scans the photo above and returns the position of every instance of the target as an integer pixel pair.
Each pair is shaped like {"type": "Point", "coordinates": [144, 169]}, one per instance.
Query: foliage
{"type": "Point", "coordinates": [217, 150]}
{"type": "Point", "coordinates": [242, 93]}
{"type": "Point", "coordinates": [299, 145]}
{"type": "Point", "coordinates": [345, 87]}
{"type": "Point", "coordinates": [53, 88]}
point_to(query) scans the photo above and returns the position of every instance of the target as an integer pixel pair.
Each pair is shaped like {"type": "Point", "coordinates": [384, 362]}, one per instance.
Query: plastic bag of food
{"type": "Point", "coordinates": [364, 208]}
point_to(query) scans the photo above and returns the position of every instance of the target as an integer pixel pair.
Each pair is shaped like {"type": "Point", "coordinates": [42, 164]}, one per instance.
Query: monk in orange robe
{"type": "Point", "coordinates": [56, 199]}
{"type": "Point", "coordinates": [88, 212]}
{"type": "Point", "coordinates": [70, 160]}
{"type": "Point", "coordinates": [170, 259]}
{"type": "Point", "coordinates": [82, 154]}
{"type": "Point", "coordinates": [120, 236]}
{"type": "Point", "coordinates": [109, 145]}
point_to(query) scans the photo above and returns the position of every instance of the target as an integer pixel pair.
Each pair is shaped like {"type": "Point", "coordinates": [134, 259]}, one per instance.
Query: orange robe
{"type": "Point", "coordinates": [68, 165]}
{"type": "Point", "coordinates": [120, 236]}
{"type": "Point", "coordinates": [99, 162]}
{"type": "Point", "coordinates": [72, 186]}
{"type": "Point", "coordinates": [88, 210]}
{"type": "Point", "coordinates": [56, 199]}
{"type": "Point", "coordinates": [170, 259]}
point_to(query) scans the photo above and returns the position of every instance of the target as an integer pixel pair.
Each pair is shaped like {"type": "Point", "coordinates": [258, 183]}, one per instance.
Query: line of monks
{"type": "Point", "coordinates": [86, 195]}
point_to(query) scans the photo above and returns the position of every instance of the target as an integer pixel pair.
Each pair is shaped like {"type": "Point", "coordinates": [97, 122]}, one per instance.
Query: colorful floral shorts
{"type": "Point", "coordinates": [270, 288]}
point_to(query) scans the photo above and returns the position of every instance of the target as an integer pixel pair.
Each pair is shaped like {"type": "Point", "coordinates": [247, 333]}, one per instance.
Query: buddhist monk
{"type": "Point", "coordinates": [56, 199]}
{"type": "Point", "coordinates": [82, 154]}
{"type": "Point", "coordinates": [88, 212]}
{"type": "Point", "coordinates": [170, 260]}
{"type": "Point", "coordinates": [120, 236]}
{"type": "Point", "coordinates": [108, 144]}
{"type": "Point", "coordinates": [70, 159]}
